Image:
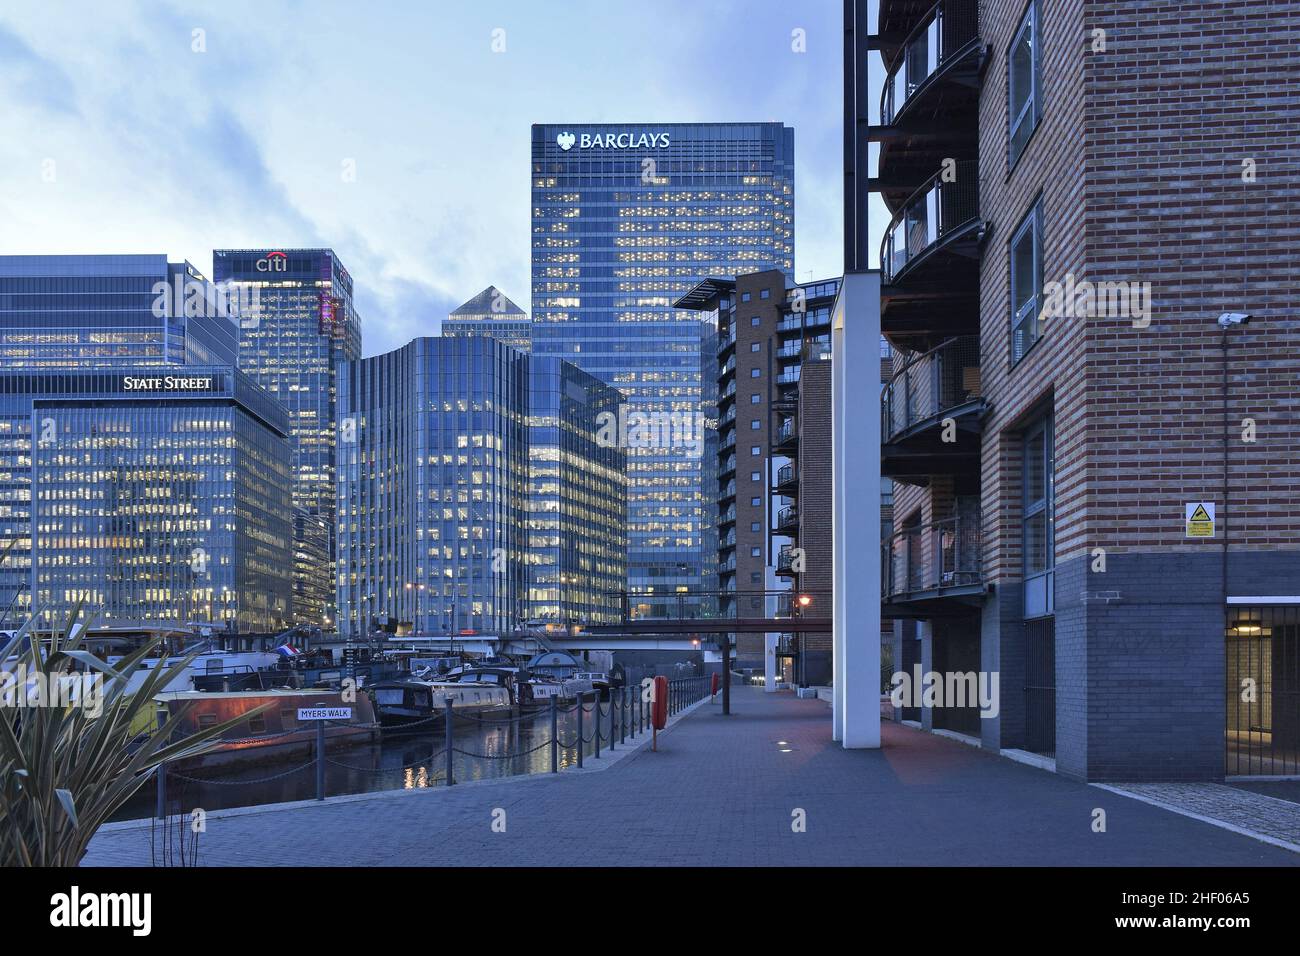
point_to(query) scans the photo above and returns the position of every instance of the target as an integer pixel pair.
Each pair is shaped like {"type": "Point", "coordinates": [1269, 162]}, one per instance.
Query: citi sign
{"type": "Point", "coordinates": [566, 140]}
{"type": "Point", "coordinates": [273, 262]}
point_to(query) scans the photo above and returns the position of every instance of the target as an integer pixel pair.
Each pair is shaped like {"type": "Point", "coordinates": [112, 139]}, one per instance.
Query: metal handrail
{"type": "Point", "coordinates": [945, 30]}
{"type": "Point", "coordinates": [940, 207]}
{"type": "Point", "coordinates": [944, 554]}
{"type": "Point", "coordinates": [785, 474]}
{"type": "Point", "coordinates": [931, 384]}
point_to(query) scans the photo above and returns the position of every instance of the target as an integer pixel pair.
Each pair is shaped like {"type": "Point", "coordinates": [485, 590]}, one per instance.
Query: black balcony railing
{"type": "Point", "coordinates": [785, 560]}
{"type": "Point", "coordinates": [786, 475]}
{"type": "Point", "coordinates": [945, 204]}
{"type": "Point", "coordinates": [787, 517]}
{"type": "Point", "coordinates": [943, 379]}
{"type": "Point", "coordinates": [931, 559]}
{"type": "Point", "coordinates": [943, 34]}
{"type": "Point", "coordinates": [786, 432]}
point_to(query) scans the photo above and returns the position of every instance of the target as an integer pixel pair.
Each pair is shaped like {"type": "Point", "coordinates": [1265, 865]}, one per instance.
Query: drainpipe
{"type": "Point", "coordinates": [1226, 321]}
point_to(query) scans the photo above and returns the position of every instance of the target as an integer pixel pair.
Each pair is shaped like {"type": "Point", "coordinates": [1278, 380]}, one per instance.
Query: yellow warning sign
{"type": "Point", "coordinates": [1200, 519]}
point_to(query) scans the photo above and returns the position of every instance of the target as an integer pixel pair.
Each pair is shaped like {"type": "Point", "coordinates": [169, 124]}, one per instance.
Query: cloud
{"type": "Point", "coordinates": [35, 81]}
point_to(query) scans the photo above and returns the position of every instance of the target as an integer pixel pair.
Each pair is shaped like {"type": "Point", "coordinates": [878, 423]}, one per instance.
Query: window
{"type": "Point", "coordinates": [754, 526]}
{"type": "Point", "coordinates": [755, 476]}
{"type": "Point", "coordinates": [755, 372]}
{"type": "Point", "coordinates": [755, 552]}
{"type": "Point", "coordinates": [755, 399]}
{"type": "Point", "coordinates": [756, 347]}
{"type": "Point", "coordinates": [1023, 100]}
{"type": "Point", "coordinates": [755, 577]}
{"type": "Point", "coordinates": [744, 297]}
{"type": "Point", "coordinates": [754, 450]}
{"type": "Point", "coordinates": [1026, 283]}
{"type": "Point", "coordinates": [765, 293]}
{"type": "Point", "coordinates": [755, 502]}
{"type": "Point", "coordinates": [1038, 551]}
{"type": "Point", "coordinates": [755, 321]}
{"type": "Point", "coordinates": [754, 425]}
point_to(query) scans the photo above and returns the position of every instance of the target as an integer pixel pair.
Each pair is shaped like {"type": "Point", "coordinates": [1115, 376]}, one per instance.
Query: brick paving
{"type": "Point", "coordinates": [722, 791]}
{"type": "Point", "coordinates": [1275, 820]}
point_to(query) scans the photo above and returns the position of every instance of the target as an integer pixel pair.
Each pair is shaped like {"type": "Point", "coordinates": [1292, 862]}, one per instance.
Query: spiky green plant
{"type": "Point", "coordinates": [65, 770]}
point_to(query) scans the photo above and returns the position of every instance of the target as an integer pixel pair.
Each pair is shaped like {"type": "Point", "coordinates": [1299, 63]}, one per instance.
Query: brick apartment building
{"type": "Point", "coordinates": [1078, 191]}
{"type": "Point", "coordinates": [774, 459]}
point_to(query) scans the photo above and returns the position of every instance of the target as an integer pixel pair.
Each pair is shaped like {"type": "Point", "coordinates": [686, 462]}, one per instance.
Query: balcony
{"type": "Point", "coordinates": [929, 100]}
{"type": "Point", "coordinates": [947, 37]}
{"type": "Point", "coordinates": [789, 377]}
{"type": "Point", "coordinates": [785, 561]}
{"type": "Point", "coordinates": [727, 517]}
{"type": "Point", "coordinates": [933, 570]}
{"type": "Point", "coordinates": [787, 520]}
{"type": "Point", "coordinates": [929, 260]}
{"type": "Point", "coordinates": [786, 439]}
{"type": "Point", "coordinates": [787, 481]}
{"type": "Point", "coordinates": [939, 386]}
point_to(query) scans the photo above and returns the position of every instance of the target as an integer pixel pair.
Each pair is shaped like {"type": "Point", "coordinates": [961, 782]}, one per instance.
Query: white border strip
{"type": "Point", "coordinates": [1221, 824]}
{"type": "Point", "coordinates": [1266, 599]}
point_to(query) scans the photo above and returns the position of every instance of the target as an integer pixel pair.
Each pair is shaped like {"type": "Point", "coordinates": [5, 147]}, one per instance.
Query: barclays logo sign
{"type": "Point", "coordinates": [566, 140]}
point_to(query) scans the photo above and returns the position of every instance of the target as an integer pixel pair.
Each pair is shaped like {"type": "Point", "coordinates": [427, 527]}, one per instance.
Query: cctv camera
{"type": "Point", "coordinates": [1234, 318]}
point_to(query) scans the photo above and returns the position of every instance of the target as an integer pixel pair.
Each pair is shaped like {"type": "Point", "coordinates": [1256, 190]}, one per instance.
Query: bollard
{"type": "Point", "coordinates": [582, 709]}
{"type": "Point", "coordinates": [613, 709]}
{"type": "Point", "coordinates": [622, 715]}
{"type": "Point", "coordinates": [450, 740]}
{"type": "Point", "coordinates": [320, 760]}
{"type": "Point", "coordinates": [555, 735]}
{"type": "Point", "coordinates": [162, 791]}
{"type": "Point", "coordinates": [595, 724]}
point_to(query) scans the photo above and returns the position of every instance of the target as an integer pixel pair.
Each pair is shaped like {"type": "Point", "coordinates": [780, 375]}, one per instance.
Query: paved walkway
{"type": "Point", "coordinates": [1267, 818]}
{"type": "Point", "coordinates": [724, 791]}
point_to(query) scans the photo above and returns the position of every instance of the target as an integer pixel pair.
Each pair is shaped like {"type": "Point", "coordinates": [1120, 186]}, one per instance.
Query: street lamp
{"type": "Point", "coordinates": [801, 602]}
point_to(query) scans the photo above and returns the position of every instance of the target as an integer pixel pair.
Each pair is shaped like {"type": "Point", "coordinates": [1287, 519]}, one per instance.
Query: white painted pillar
{"type": "Point", "coordinates": [769, 662]}
{"type": "Point", "coordinates": [855, 407]}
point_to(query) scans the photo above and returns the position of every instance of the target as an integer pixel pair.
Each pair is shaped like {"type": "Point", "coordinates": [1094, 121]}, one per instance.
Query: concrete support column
{"type": "Point", "coordinates": [855, 405]}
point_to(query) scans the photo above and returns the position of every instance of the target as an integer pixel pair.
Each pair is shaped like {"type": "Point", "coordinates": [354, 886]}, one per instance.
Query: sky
{"type": "Point", "coordinates": [126, 131]}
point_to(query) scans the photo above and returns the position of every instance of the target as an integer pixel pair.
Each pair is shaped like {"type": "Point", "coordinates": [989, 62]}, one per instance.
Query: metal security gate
{"type": "Point", "coordinates": [1040, 686]}
{"type": "Point", "coordinates": [1262, 732]}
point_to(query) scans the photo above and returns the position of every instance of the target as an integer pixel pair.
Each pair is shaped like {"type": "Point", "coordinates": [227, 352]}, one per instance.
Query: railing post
{"type": "Point", "coordinates": [622, 714]}
{"type": "Point", "coordinates": [613, 711]}
{"type": "Point", "coordinates": [449, 739]}
{"type": "Point", "coordinates": [320, 760]}
{"type": "Point", "coordinates": [555, 735]}
{"type": "Point", "coordinates": [595, 724]}
{"type": "Point", "coordinates": [582, 709]}
{"type": "Point", "coordinates": [162, 791]}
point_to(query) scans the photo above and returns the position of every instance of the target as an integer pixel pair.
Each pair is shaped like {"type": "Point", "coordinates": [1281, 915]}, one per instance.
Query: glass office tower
{"type": "Point", "coordinates": [474, 492]}
{"type": "Point", "coordinates": [61, 313]}
{"type": "Point", "coordinates": [577, 497]}
{"type": "Point", "coordinates": [303, 326]}
{"type": "Point", "coordinates": [626, 219]}
{"type": "Point", "coordinates": [155, 496]}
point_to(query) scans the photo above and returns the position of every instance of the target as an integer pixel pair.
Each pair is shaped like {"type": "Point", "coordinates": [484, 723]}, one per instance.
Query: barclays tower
{"type": "Point", "coordinates": [626, 219]}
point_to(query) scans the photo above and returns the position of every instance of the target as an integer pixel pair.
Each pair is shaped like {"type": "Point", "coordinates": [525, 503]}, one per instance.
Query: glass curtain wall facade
{"type": "Point", "coordinates": [89, 312]}
{"type": "Point", "coordinates": [159, 499]}
{"type": "Point", "coordinates": [432, 489]}
{"type": "Point", "coordinates": [577, 497]}
{"type": "Point", "coordinates": [303, 326]}
{"type": "Point", "coordinates": [626, 218]}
